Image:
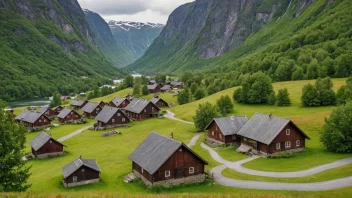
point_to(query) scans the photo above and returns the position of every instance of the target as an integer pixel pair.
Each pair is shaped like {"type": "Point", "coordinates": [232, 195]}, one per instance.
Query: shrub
{"type": "Point", "coordinates": [224, 105]}
{"type": "Point", "coordinates": [145, 90]}
{"type": "Point", "coordinates": [199, 93]}
{"type": "Point", "coordinates": [204, 114]}
{"type": "Point", "coordinates": [283, 98]}
{"type": "Point", "coordinates": [183, 97]}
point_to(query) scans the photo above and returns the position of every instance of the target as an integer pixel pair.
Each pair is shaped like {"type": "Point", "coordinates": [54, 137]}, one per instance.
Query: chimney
{"type": "Point", "coordinates": [270, 116]}
{"type": "Point", "coordinates": [172, 135]}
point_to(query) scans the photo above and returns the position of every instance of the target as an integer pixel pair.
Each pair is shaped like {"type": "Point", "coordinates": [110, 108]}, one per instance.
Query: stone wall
{"type": "Point", "coordinates": [47, 155]}
{"type": "Point", "coordinates": [81, 183]}
{"type": "Point", "coordinates": [147, 182]}
{"type": "Point", "coordinates": [185, 180]}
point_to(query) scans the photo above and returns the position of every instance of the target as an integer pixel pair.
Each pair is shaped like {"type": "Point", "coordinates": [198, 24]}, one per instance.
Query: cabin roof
{"type": "Point", "coordinates": [39, 141]}
{"type": "Point", "coordinates": [78, 163]}
{"type": "Point", "coordinates": [137, 105]}
{"type": "Point", "coordinates": [118, 101]}
{"type": "Point", "coordinates": [107, 113]}
{"type": "Point", "coordinates": [90, 107]}
{"type": "Point", "coordinates": [166, 87]}
{"type": "Point", "coordinates": [155, 150]}
{"type": "Point", "coordinates": [156, 99]}
{"type": "Point", "coordinates": [265, 128]}
{"type": "Point", "coordinates": [229, 125]}
{"type": "Point", "coordinates": [78, 103]}
{"type": "Point", "coordinates": [29, 116]}
{"type": "Point", "coordinates": [43, 109]}
{"type": "Point", "coordinates": [153, 86]}
{"type": "Point", "coordinates": [176, 83]}
{"type": "Point", "coordinates": [64, 112]}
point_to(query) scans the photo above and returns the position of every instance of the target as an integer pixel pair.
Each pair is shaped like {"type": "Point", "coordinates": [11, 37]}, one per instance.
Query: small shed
{"type": "Point", "coordinates": [111, 117]}
{"type": "Point", "coordinates": [69, 116]}
{"type": "Point", "coordinates": [119, 102]}
{"type": "Point", "coordinates": [81, 172]}
{"type": "Point", "coordinates": [140, 109]}
{"type": "Point", "coordinates": [43, 146]}
{"type": "Point", "coordinates": [159, 102]}
{"type": "Point", "coordinates": [33, 120]}
{"type": "Point", "coordinates": [92, 109]}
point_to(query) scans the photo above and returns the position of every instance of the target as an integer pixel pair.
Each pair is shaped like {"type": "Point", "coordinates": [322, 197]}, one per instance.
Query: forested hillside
{"type": "Point", "coordinates": [298, 39]}
{"type": "Point", "coordinates": [47, 46]}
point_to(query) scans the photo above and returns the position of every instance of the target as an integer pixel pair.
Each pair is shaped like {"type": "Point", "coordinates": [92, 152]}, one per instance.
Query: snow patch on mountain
{"type": "Point", "coordinates": [127, 25]}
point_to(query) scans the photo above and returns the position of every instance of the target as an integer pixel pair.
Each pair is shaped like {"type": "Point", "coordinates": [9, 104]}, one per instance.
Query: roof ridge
{"type": "Point", "coordinates": [166, 137]}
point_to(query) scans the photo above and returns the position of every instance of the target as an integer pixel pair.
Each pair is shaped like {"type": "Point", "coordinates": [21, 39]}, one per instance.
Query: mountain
{"type": "Point", "coordinates": [106, 41]}
{"type": "Point", "coordinates": [48, 46]}
{"type": "Point", "coordinates": [220, 34]}
{"type": "Point", "coordinates": [135, 37]}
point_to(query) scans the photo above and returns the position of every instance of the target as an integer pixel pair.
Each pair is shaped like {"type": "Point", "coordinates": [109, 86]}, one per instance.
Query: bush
{"type": "Point", "coordinates": [224, 105]}
{"type": "Point", "coordinates": [272, 99]}
{"type": "Point", "coordinates": [183, 97]}
{"type": "Point", "coordinates": [145, 90]}
{"type": "Point", "coordinates": [321, 94]}
{"type": "Point", "coordinates": [282, 155]}
{"type": "Point", "coordinates": [204, 114]}
{"type": "Point", "coordinates": [283, 98]}
{"type": "Point", "coordinates": [199, 93]}
{"type": "Point", "coordinates": [345, 92]}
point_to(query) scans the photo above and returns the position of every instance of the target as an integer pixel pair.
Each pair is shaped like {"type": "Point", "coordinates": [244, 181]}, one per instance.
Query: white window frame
{"type": "Point", "coordinates": [145, 111]}
{"type": "Point", "coordinates": [167, 173]}
{"type": "Point", "coordinates": [113, 120]}
{"type": "Point", "coordinates": [118, 114]}
{"type": "Point", "coordinates": [180, 150]}
{"type": "Point", "coordinates": [278, 146]}
{"type": "Point", "coordinates": [191, 170]}
{"type": "Point", "coordinates": [220, 135]}
{"type": "Point", "coordinates": [74, 178]}
{"type": "Point", "coordinates": [212, 133]}
{"type": "Point", "coordinates": [288, 144]}
{"type": "Point", "coordinates": [298, 143]}
{"type": "Point", "coordinates": [40, 121]}
{"type": "Point", "coordinates": [142, 170]}
{"type": "Point", "coordinates": [288, 131]}
{"type": "Point", "coordinates": [71, 112]}
{"type": "Point", "coordinates": [123, 119]}
{"type": "Point", "coordinates": [44, 120]}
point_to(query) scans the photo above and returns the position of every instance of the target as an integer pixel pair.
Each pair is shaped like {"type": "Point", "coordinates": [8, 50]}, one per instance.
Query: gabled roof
{"type": "Point", "coordinates": [229, 125]}
{"type": "Point", "coordinates": [29, 116]}
{"type": "Point", "coordinates": [166, 87]}
{"type": "Point", "coordinates": [43, 109]}
{"type": "Point", "coordinates": [78, 103]}
{"type": "Point", "coordinates": [156, 99]}
{"type": "Point", "coordinates": [153, 86]}
{"type": "Point", "coordinates": [40, 140]}
{"type": "Point", "coordinates": [155, 150]}
{"type": "Point", "coordinates": [90, 107]}
{"type": "Point", "coordinates": [265, 128]}
{"type": "Point", "coordinates": [176, 83]}
{"type": "Point", "coordinates": [137, 105]}
{"type": "Point", "coordinates": [107, 113]}
{"type": "Point", "coordinates": [64, 112]}
{"type": "Point", "coordinates": [78, 163]}
{"type": "Point", "coordinates": [118, 101]}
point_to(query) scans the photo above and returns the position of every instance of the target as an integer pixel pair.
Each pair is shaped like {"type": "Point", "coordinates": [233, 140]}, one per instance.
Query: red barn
{"type": "Point", "coordinates": [111, 117]}
{"type": "Point", "coordinates": [47, 111]}
{"type": "Point", "coordinates": [81, 172]}
{"type": "Point", "coordinates": [92, 109]}
{"type": "Point", "coordinates": [33, 120]}
{"type": "Point", "coordinates": [140, 109]}
{"type": "Point", "coordinates": [119, 102]}
{"type": "Point", "coordinates": [69, 116]}
{"type": "Point", "coordinates": [160, 160]}
{"type": "Point", "coordinates": [43, 145]}
{"type": "Point", "coordinates": [225, 130]}
{"type": "Point", "coordinates": [267, 134]}
{"type": "Point", "coordinates": [159, 102]}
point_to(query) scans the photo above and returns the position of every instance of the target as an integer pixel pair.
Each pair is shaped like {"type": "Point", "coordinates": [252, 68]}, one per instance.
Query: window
{"type": "Point", "coordinates": [288, 131]}
{"type": "Point", "coordinates": [82, 170]}
{"type": "Point", "coordinates": [142, 170]}
{"type": "Point", "coordinates": [191, 170]}
{"type": "Point", "coordinates": [298, 143]}
{"type": "Point", "coordinates": [40, 121]}
{"type": "Point", "coordinates": [152, 108]}
{"type": "Point", "coordinates": [167, 173]}
{"type": "Point", "coordinates": [118, 114]}
{"type": "Point", "coordinates": [113, 120]}
{"type": "Point", "coordinates": [71, 112]}
{"type": "Point", "coordinates": [212, 133]}
{"type": "Point", "coordinates": [123, 119]}
{"type": "Point", "coordinates": [145, 111]}
{"type": "Point", "coordinates": [50, 142]}
{"type": "Point", "coordinates": [44, 120]}
{"type": "Point", "coordinates": [98, 109]}
{"type": "Point", "coordinates": [278, 146]}
{"type": "Point", "coordinates": [288, 144]}
{"type": "Point", "coordinates": [220, 135]}
{"type": "Point", "coordinates": [74, 178]}
{"type": "Point", "coordinates": [180, 150]}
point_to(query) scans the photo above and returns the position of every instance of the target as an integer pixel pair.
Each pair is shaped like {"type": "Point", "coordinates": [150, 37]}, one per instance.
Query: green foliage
{"type": "Point", "coordinates": [160, 78]}
{"type": "Point", "coordinates": [200, 93]}
{"type": "Point", "coordinates": [193, 88]}
{"type": "Point", "coordinates": [56, 100]}
{"type": "Point", "coordinates": [145, 90]}
{"type": "Point", "coordinates": [272, 99]}
{"type": "Point", "coordinates": [345, 92]}
{"type": "Point", "coordinates": [310, 97]}
{"type": "Point", "coordinates": [283, 98]}
{"type": "Point", "coordinates": [224, 105]}
{"type": "Point", "coordinates": [128, 81]}
{"type": "Point", "coordinates": [321, 94]}
{"type": "Point", "coordinates": [13, 170]}
{"type": "Point", "coordinates": [204, 114]}
{"type": "Point", "coordinates": [183, 97]}
{"type": "Point", "coordinates": [337, 133]}
{"type": "Point", "coordinates": [137, 89]}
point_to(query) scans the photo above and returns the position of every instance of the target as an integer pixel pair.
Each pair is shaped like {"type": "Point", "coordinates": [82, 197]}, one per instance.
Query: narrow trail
{"type": "Point", "coordinates": [194, 140]}
{"type": "Point", "coordinates": [79, 131]}
{"type": "Point", "coordinates": [171, 116]}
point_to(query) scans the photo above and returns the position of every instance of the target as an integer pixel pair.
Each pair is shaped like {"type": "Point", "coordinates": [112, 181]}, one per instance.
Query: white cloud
{"type": "Point", "coordinates": [156, 11]}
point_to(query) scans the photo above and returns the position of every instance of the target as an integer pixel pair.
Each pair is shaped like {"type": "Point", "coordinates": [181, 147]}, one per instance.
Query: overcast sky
{"type": "Point", "coordinates": [156, 11]}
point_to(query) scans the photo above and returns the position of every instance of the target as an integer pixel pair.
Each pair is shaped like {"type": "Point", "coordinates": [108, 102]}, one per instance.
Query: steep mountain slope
{"type": "Point", "coordinates": [135, 37]}
{"type": "Point", "coordinates": [106, 41]}
{"type": "Point", "coordinates": [208, 33]}
{"type": "Point", "coordinates": [47, 46]}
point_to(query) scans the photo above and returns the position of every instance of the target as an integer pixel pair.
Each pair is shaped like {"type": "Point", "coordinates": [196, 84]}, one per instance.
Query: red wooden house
{"type": "Point", "coordinates": [119, 102]}
{"type": "Point", "coordinates": [140, 109]}
{"type": "Point", "coordinates": [111, 117]}
{"type": "Point", "coordinates": [81, 172]}
{"type": "Point", "coordinates": [43, 145]}
{"type": "Point", "coordinates": [154, 88]}
{"type": "Point", "coordinates": [267, 134]}
{"type": "Point", "coordinates": [159, 102]}
{"type": "Point", "coordinates": [33, 120]}
{"type": "Point", "coordinates": [160, 160]}
{"type": "Point", "coordinates": [78, 104]}
{"type": "Point", "coordinates": [69, 116]}
{"type": "Point", "coordinates": [225, 130]}
{"type": "Point", "coordinates": [92, 109]}
{"type": "Point", "coordinates": [47, 111]}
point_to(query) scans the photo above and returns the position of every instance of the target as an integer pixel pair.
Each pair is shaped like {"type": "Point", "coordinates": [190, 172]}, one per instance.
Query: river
{"type": "Point", "coordinates": [33, 102]}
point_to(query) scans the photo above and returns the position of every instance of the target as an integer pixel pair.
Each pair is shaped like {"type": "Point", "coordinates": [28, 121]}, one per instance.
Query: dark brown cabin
{"type": "Point", "coordinates": [111, 117]}
{"type": "Point", "coordinates": [33, 120]}
{"type": "Point", "coordinates": [69, 116]}
{"type": "Point", "coordinates": [155, 88]}
{"type": "Point", "coordinates": [92, 109]}
{"type": "Point", "coordinates": [43, 145]}
{"type": "Point", "coordinates": [267, 134]}
{"type": "Point", "coordinates": [140, 109]}
{"type": "Point", "coordinates": [81, 172]}
{"type": "Point", "coordinates": [168, 162]}
{"type": "Point", "coordinates": [159, 102]}
{"type": "Point", "coordinates": [47, 111]}
{"type": "Point", "coordinates": [224, 130]}
{"type": "Point", "coordinates": [58, 109]}
{"type": "Point", "coordinates": [78, 104]}
{"type": "Point", "coordinates": [119, 102]}
{"type": "Point", "coordinates": [176, 84]}
{"type": "Point", "coordinates": [166, 88]}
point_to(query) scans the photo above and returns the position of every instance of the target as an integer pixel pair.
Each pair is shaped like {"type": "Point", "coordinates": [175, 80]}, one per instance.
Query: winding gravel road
{"type": "Point", "coordinates": [171, 116]}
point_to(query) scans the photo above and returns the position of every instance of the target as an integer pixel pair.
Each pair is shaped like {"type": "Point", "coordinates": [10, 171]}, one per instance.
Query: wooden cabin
{"type": "Point", "coordinates": [119, 102]}
{"type": "Point", "coordinates": [47, 111]}
{"type": "Point", "coordinates": [161, 160]}
{"type": "Point", "coordinates": [58, 109]}
{"type": "Point", "coordinates": [140, 109]}
{"type": "Point", "coordinates": [177, 85]}
{"type": "Point", "coordinates": [33, 120]}
{"type": "Point", "coordinates": [166, 88]}
{"type": "Point", "coordinates": [81, 172]}
{"type": "Point", "coordinates": [111, 117]}
{"type": "Point", "coordinates": [225, 130]}
{"type": "Point", "coordinates": [92, 109]}
{"type": "Point", "coordinates": [159, 102]}
{"type": "Point", "coordinates": [69, 116]}
{"type": "Point", "coordinates": [43, 145]}
{"type": "Point", "coordinates": [78, 104]}
{"type": "Point", "coordinates": [154, 88]}
{"type": "Point", "coordinates": [266, 135]}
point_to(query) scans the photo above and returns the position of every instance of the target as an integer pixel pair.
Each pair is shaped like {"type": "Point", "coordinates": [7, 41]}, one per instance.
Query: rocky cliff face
{"type": "Point", "coordinates": [106, 41]}
{"type": "Point", "coordinates": [135, 37]}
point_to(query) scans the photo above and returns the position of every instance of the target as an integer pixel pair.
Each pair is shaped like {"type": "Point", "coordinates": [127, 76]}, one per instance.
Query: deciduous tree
{"type": "Point", "coordinates": [204, 114]}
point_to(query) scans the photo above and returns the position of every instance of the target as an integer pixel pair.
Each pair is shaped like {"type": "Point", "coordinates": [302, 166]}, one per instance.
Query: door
{"type": "Point", "coordinates": [180, 173]}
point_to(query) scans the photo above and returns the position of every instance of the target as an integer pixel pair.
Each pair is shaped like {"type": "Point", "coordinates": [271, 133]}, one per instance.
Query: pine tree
{"type": "Point", "coordinates": [145, 90]}
{"type": "Point", "coordinates": [137, 89]}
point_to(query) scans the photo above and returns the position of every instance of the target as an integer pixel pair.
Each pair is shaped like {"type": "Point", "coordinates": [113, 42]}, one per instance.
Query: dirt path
{"type": "Point", "coordinates": [171, 116]}
{"type": "Point", "coordinates": [194, 140]}
{"type": "Point", "coordinates": [74, 133]}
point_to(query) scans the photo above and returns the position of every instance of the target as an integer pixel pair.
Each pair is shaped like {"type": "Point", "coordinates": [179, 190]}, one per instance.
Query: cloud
{"type": "Point", "coordinates": [113, 7]}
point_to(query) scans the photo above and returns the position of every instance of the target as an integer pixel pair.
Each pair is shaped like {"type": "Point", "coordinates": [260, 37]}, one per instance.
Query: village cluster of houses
{"type": "Point", "coordinates": [168, 86]}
